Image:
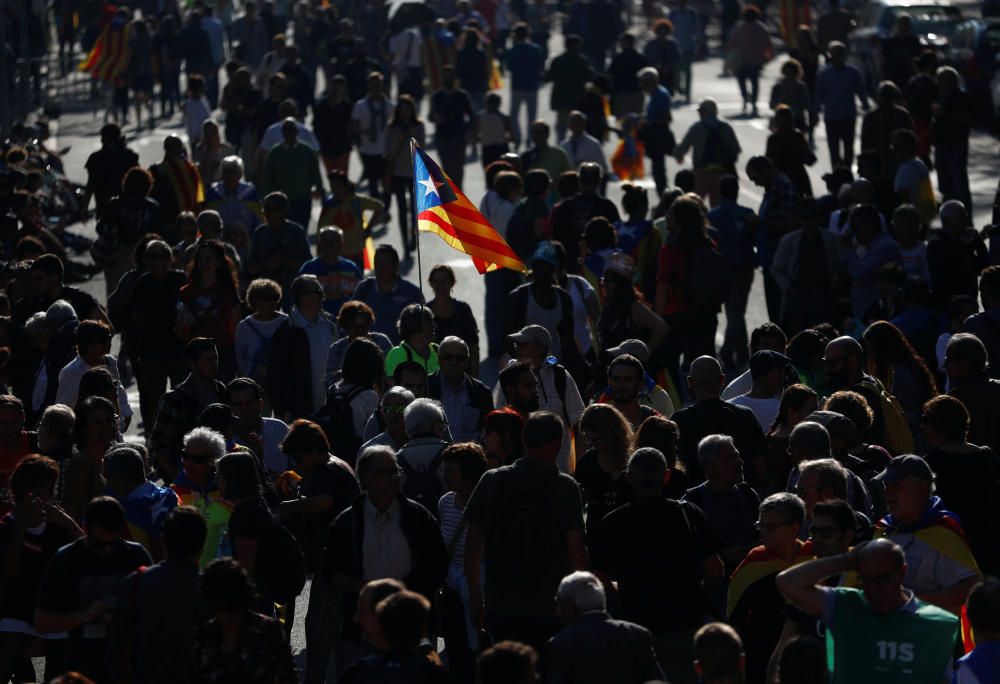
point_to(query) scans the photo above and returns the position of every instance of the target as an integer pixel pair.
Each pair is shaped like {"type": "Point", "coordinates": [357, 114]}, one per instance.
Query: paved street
{"type": "Point", "coordinates": [80, 132]}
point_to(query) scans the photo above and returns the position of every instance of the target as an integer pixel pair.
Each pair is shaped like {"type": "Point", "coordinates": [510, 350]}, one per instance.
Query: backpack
{"type": "Point", "coordinates": [423, 486]}
{"type": "Point", "coordinates": [526, 536]}
{"type": "Point", "coordinates": [713, 152]}
{"type": "Point", "coordinates": [282, 564]}
{"type": "Point", "coordinates": [896, 435]}
{"type": "Point", "coordinates": [708, 278]}
{"type": "Point", "coordinates": [337, 420]}
{"type": "Point", "coordinates": [258, 364]}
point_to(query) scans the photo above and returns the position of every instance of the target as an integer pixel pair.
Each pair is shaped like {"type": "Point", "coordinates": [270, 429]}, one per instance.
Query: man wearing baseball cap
{"type": "Point", "coordinates": [770, 372]}
{"type": "Point", "coordinates": [940, 567]}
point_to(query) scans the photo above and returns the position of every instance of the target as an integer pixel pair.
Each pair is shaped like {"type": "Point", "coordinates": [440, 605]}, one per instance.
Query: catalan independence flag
{"type": "Point", "coordinates": [443, 209]}
{"type": "Point", "coordinates": [108, 59]}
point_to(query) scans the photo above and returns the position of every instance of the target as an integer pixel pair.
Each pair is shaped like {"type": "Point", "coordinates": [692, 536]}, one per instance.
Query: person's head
{"type": "Point", "coordinates": [784, 118]}
{"type": "Point", "coordinates": [948, 80]}
{"type": "Point", "coordinates": [904, 144]}
{"type": "Point", "coordinates": [509, 186]}
{"type": "Point", "coordinates": [809, 440]}
{"type": "Point", "coordinates": [105, 525]}
{"type": "Point", "coordinates": [965, 357]}
{"type": "Point", "coordinates": [769, 371]}
{"type": "Point", "coordinates": [464, 463]}
{"type": "Point", "coordinates": [372, 594]}
{"type": "Point", "coordinates": [661, 434]}
{"type": "Point", "coordinates": [954, 217]}
{"type": "Point", "coordinates": [264, 296]}
{"type": "Point", "coordinates": [425, 417]}
{"type": "Point", "coordinates": [442, 280]}
{"type": "Point", "coordinates": [886, 347]}
{"type": "Point", "coordinates": [275, 206]}
{"type": "Point", "coordinates": [865, 223]}
{"type": "Point", "coordinates": [705, 378]}
{"type": "Point", "coordinates": [844, 362]}
{"type": "Point", "coordinates": [232, 172]}
{"type": "Point", "coordinates": [378, 472]}
{"type": "Point", "coordinates": [98, 382]}
{"type": "Point", "coordinates": [93, 341]}
{"type": "Point", "coordinates": [405, 113]}
{"type": "Point", "coordinates": [34, 476]}
{"type": "Point", "coordinates": [599, 234]}
{"type": "Point", "coordinates": [803, 661]}
{"type": "Point", "coordinates": [111, 134]}
{"type": "Point", "coordinates": [11, 419]}
{"type": "Point", "coordinates": [762, 171]}
{"type": "Point", "coordinates": [540, 133]}
{"type": "Point", "coordinates": [184, 533]}
{"type": "Point", "coordinates": [989, 287]}
{"type": "Point", "coordinates": [331, 238]}
{"type": "Point", "coordinates": [227, 588]}
{"type": "Point", "coordinates": [718, 654]}
{"type": "Point", "coordinates": [453, 357]}
{"type": "Point", "coordinates": [137, 182]}
{"type": "Point", "coordinates": [605, 429]}
{"type": "Point", "coordinates": [47, 276]}
{"type": "Point", "coordinates": [627, 379]}
{"type": "Point", "coordinates": [983, 609]}
{"type": "Point", "coordinates": [210, 132]}
{"type": "Point", "coordinates": [55, 428]}
{"type": "Point", "coordinates": [341, 186]}
{"type": "Point", "coordinates": [663, 28]}
{"type": "Point", "coordinates": [779, 520]}
{"type": "Point", "coordinates": [155, 258]}
{"type": "Point", "coordinates": [832, 527]}
{"type": "Point", "coordinates": [821, 480]}
{"type": "Point", "coordinates": [391, 408]}
{"type": "Point", "coordinates": [416, 325]}
{"type": "Point", "coordinates": [96, 423]}
{"type": "Point", "coordinates": [909, 484]}
{"type": "Point", "coordinates": [537, 183]}
{"type": "Point", "coordinates": [412, 376]}
{"type": "Point", "coordinates": [720, 461]}
{"type": "Point", "coordinates": [203, 449]}
{"type": "Point", "coordinates": [124, 468]}
{"type": "Point", "coordinates": [202, 358]}
{"type": "Point", "coordinates": [853, 406]}
{"type": "Point", "coordinates": [945, 420]}
{"type": "Point", "coordinates": [355, 318]}
{"type": "Point", "coordinates": [797, 402]}
{"type": "Point", "coordinates": [543, 436]}
{"type": "Point", "coordinates": [364, 363]}
{"type": "Point", "coordinates": [881, 569]}
{"type": "Point", "coordinates": [729, 187]}
{"type": "Point", "coordinates": [502, 436]}
{"type": "Point", "coordinates": [386, 262]}
{"type": "Point", "coordinates": [579, 592]}
{"type": "Point", "coordinates": [247, 401]}
{"type": "Point", "coordinates": [687, 221]}
{"type": "Point", "coordinates": [906, 223]}
{"type": "Point", "coordinates": [520, 387]}
{"type": "Point", "coordinates": [649, 79]}
{"type": "Point", "coordinates": [238, 477]}
{"type": "Point", "coordinates": [308, 296]}
{"type": "Point", "coordinates": [403, 621]}
{"type": "Point", "coordinates": [508, 662]}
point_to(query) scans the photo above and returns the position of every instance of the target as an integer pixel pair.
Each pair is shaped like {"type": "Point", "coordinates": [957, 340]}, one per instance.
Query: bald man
{"type": "Point", "coordinates": [844, 362]}
{"type": "Point", "coordinates": [710, 415]}
{"type": "Point", "coordinates": [881, 628]}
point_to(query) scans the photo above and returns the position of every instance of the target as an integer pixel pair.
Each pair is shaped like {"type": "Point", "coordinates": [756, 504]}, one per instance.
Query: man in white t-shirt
{"type": "Point", "coordinates": [246, 400]}
{"type": "Point", "coordinates": [769, 371]}
{"type": "Point", "coordinates": [406, 48]}
{"type": "Point", "coordinates": [369, 118]}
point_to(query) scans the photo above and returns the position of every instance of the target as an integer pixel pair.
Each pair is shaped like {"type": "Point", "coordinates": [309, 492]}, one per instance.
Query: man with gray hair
{"type": "Point", "coordinates": [58, 346]}
{"type": "Point", "coordinates": [466, 400]}
{"type": "Point", "coordinates": [965, 362]}
{"type": "Point", "coordinates": [593, 647]}
{"type": "Point", "coordinates": [196, 485]}
{"type": "Point", "coordinates": [421, 469]}
{"type": "Point", "coordinates": [390, 411]}
{"type": "Point", "coordinates": [810, 441]}
{"type": "Point", "coordinates": [714, 147]}
{"type": "Point", "coordinates": [236, 200]}
{"type": "Point", "coordinates": [663, 586]}
{"type": "Point", "coordinates": [55, 432]}
{"type": "Point", "coordinates": [729, 503]}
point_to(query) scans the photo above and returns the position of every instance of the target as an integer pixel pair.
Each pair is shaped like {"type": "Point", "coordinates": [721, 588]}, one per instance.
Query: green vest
{"type": "Point", "coordinates": [863, 647]}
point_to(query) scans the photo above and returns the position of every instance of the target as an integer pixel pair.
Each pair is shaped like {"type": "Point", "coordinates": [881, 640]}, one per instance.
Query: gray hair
{"type": "Point", "coordinates": [56, 426]}
{"type": "Point", "coordinates": [399, 392]}
{"type": "Point", "coordinates": [452, 339]}
{"type": "Point", "coordinates": [36, 325]}
{"type": "Point", "coordinates": [830, 475]}
{"type": "Point", "coordinates": [331, 230]}
{"type": "Point", "coordinates": [364, 463]}
{"type": "Point", "coordinates": [209, 438]}
{"type": "Point", "coordinates": [583, 590]}
{"type": "Point", "coordinates": [791, 507]}
{"type": "Point", "coordinates": [647, 467]}
{"type": "Point", "coordinates": [232, 163]}
{"type": "Point", "coordinates": [709, 448]}
{"type": "Point", "coordinates": [420, 416]}
{"type": "Point", "coordinates": [59, 313]}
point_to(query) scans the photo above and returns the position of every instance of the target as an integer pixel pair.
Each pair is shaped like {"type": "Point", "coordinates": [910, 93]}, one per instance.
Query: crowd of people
{"type": "Point", "coordinates": [628, 502]}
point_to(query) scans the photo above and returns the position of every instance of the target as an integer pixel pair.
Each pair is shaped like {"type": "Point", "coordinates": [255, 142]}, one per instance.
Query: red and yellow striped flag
{"type": "Point", "coordinates": [108, 59]}
{"type": "Point", "coordinates": [444, 210]}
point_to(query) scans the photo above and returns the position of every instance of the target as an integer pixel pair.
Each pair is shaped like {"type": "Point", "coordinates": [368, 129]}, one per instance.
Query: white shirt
{"type": "Point", "coordinates": [580, 290]}
{"type": "Point", "coordinates": [406, 47]}
{"type": "Point", "coordinates": [741, 385]}
{"type": "Point", "coordinates": [196, 112]}
{"type": "Point", "coordinates": [584, 148]}
{"type": "Point", "coordinates": [384, 549]}
{"type": "Point", "coordinates": [69, 384]}
{"type": "Point", "coordinates": [372, 141]}
{"type": "Point", "coordinates": [272, 431]}
{"type": "Point", "coordinates": [272, 136]}
{"type": "Point", "coordinates": [765, 409]}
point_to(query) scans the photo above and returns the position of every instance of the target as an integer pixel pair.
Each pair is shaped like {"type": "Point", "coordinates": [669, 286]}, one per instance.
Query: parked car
{"type": "Point", "coordinates": [972, 50]}
{"type": "Point", "coordinates": [934, 23]}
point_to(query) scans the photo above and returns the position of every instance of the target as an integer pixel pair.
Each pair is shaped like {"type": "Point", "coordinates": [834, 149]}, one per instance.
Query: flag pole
{"type": "Point", "coordinates": [416, 229]}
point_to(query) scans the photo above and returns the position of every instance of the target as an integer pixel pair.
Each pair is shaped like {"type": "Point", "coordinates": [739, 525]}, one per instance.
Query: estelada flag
{"type": "Point", "coordinates": [108, 59]}
{"type": "Point", "coordinates": [794, 13]}
{"type": "Point", "coordinates": [444, 210]}
{"type": "Point", "coordinates": [759, 565]}
{"type": "Point", "coordinates": [185, 181]}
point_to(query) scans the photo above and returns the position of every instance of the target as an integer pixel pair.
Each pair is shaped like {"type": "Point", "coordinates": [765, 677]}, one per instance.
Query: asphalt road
{"type": "Point", "coordinates": [79, 130]}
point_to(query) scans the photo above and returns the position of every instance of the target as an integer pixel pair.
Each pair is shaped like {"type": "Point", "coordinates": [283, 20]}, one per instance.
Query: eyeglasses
{"type": "Point", "coordinates": [456, 358]}
{"type": "Point", "coordinates": [824, 531]}
{"type": "Point", "coordinates": [198, 458]}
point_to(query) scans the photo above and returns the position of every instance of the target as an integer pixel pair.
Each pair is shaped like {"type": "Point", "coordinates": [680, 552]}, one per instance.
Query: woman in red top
{"type": "Point", "coordinates": [211, 303]}
{"type": "Point", "coordinates": [692, 328]}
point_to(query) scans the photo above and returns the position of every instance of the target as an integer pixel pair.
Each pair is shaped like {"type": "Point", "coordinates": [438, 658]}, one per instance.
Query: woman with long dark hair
{"type": "Point", "coordinates": [608, 438]}
{"type": "Point", "coordinates": [901, 370]}
{"type": "Point", "coordinates": [404, 124]}
{"type": "Point", "coordinates": [211, 303]}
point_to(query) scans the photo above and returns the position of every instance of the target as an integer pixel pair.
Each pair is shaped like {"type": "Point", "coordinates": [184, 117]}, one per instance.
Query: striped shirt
{"type": "Point", "coordinates": [450, 516]}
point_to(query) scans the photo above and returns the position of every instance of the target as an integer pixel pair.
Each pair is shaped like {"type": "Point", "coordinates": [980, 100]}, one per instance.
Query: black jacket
{"type": "Point", "coordinates": [290, 371]}
{"type": "Point", "coordinates": [598, 649]}
{"type": "Point", "coordinates": [480, 397]}
{"type": "Point", "coordinates": [344, 553]}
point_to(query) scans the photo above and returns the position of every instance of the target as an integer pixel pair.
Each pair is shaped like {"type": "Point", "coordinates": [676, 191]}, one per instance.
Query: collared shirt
{"type": "Point", "coordinates": [584, 148]}
{"type": "Point", "coordinates": [385, 552]}
{"type": "Point", "coordinates": [462, 417]}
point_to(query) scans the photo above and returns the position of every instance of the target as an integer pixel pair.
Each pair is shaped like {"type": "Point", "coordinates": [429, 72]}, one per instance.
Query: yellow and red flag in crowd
{"type": "Point", "coordinates": [108, 59]}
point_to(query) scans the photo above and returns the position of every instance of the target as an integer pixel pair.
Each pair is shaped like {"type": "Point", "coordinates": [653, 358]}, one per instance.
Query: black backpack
{"type": "Point", "coordinates": [708, 278]}
{"type": "Point", "coordinates": [713, 152]}
{"type": "Point", "coordinates": [423, 485]}
{"type": "Point", "coordinates": [526, 535]}
{"type": "Point", "coordinates": [282, 564]}
{"type": "Point", "coordinates": [337, 420]}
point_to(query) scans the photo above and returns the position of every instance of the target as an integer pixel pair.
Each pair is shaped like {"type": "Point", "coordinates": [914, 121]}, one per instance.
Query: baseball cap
{"type": "Point", "coordinates": [636, 348]}
{"type": "Point", "coordinates": [545, 252]}
{"type": "Point", "coordinates": [907, 465]}
{"type": "Point", "coordinates": [767, 360]}
{"type": "Point", "coordinates": [532, 333]}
